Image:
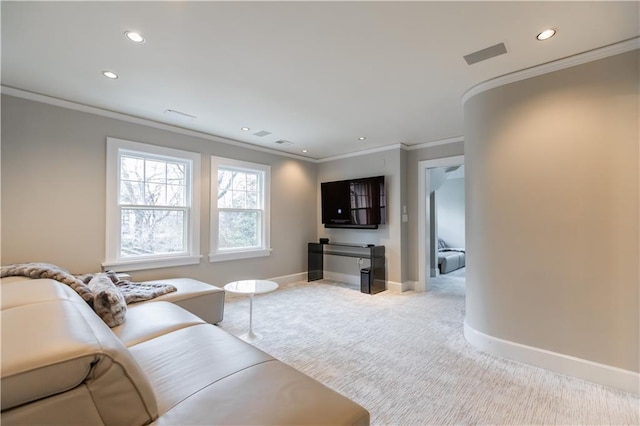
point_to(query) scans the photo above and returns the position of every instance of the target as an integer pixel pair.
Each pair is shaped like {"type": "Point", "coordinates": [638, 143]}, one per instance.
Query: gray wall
{"type": "Point", "coordinates": [437, 177]}
{"type": "Point", "coordinates": [450, 207]}
{"type": "Point", "coordinates": [53, 194]}
{"type": "Point", "coordinates": [387, 163]}
{"type": "Point", "coordinates": [552, 211]}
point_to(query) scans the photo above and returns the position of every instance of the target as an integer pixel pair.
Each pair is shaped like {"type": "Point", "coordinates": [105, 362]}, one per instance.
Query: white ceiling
{"type": "Point", "coordinates": [318, 74]}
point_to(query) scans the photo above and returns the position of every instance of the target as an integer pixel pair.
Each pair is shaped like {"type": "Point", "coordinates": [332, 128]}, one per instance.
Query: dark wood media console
{"type": "Point", "coordinates": [372, 280]}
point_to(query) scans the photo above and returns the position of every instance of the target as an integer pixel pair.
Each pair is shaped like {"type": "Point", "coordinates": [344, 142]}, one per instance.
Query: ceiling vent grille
{"type": "Point", "coordinates": [179, 115]}
{"type": "Point", "coordinates": [484, 54]}
{"type": "Point", "coordinates": [262, 133]}
{"type": "Point", "coordinates": [283, 142]}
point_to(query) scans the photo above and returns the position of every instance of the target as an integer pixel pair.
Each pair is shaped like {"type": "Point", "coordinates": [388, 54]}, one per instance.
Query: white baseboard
{"type": "Point", "coordinates": [286, 280]}
{"type": "Point", "coordinates": [283, 281]}
{"type": "Point", "coordinates": [618, 378]}
{"type": "Point", "coordinates": [419, 287]}
{"type": "Point", "coordinates": [392, 286]}
{"type": "Point", "coordinates": [343, 278]}
{"type": "Point", "coordinates": [396, 287]}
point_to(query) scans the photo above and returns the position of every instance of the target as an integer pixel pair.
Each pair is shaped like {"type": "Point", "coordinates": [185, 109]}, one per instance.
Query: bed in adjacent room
{"type": "Point", "coordinates": [449, 258]}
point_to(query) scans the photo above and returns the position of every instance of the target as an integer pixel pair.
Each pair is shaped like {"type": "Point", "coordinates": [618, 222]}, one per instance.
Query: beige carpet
{"type": "Point", "coordinates": [405, 359]}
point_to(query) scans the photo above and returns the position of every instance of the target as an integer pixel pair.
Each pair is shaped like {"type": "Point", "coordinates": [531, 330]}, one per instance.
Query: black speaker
{"type": "Point", "coordinates": [365, 280]}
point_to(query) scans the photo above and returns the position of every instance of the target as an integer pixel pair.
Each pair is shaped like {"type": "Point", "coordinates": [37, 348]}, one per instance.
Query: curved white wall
{"type": "Point", "coordinates": [552, 215]}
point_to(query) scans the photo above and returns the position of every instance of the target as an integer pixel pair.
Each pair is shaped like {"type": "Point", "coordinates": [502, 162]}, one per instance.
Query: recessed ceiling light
{"type": "Point", "coordinates": [110, 74]}
{"type": "Point", "coordinates": [134, 36]}
{"type": "Point", "coordinates": [361, 138]}
{"type": "Point", "coordinates": [546, 34]}
{"type": "Point", "coordinates": [245, 129]}
{"type": "Point", "coordinates": [305, 151]}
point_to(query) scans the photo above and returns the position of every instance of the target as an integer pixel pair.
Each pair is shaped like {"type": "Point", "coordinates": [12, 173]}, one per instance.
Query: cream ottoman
{"type": "Point", "coordinates": [201, 299]}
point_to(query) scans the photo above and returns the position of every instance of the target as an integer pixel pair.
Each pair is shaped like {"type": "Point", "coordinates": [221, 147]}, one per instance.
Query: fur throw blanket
{"type": "Point", "coordinates": [132, 291]}
{"type": "Point", "coordinates": [45, 270]}
{"type": "Point", "coordinates": [103, 291]}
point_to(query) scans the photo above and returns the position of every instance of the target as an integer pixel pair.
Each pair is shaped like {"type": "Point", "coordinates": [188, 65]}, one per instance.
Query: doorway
{"type": "Point", "coordinates": [447, 220]}
{"type": "Point", "coordinates": [432, 175]}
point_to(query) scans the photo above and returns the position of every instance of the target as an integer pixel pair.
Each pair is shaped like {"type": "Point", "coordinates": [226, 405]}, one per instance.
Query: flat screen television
{"type": "Point", "coordinates": [354, 203]}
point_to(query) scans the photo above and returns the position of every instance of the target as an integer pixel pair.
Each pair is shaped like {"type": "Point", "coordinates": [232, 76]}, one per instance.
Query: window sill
{"type": "Point", "coordinates": [235, 255]}
{"type": "Point", "coordinates": [137, 265]}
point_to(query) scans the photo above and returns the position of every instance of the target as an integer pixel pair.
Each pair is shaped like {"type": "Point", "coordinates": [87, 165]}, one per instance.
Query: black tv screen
{"type": "Point", "coordinates": [354, 203]}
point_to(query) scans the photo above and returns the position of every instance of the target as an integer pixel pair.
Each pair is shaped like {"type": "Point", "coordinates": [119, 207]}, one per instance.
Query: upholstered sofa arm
{"type": "Point", "coordinates": [60, 358]}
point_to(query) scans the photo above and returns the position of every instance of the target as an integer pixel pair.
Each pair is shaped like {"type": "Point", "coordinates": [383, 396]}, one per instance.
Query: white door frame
{"type": "Point", "coordinates": [424, 214]}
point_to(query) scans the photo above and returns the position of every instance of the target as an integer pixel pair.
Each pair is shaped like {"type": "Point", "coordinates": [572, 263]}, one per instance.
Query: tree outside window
{"type": "Point", "coordinates": [240, 210]}
{"type": "Point", "coordinates": [153, 206]}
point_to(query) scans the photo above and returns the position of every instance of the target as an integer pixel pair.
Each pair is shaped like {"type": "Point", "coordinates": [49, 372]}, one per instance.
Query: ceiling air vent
{"type": "Point", "coordinates": [283, 142]}
{"type": "Point", "coordinates": [484, 54]}
{"type": "Point", "coordinates": [179, 115]}
{"type": "Point", "coordinates": [262, 133]}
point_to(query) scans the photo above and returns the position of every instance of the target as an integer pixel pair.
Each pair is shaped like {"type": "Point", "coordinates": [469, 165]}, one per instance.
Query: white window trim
{"type": "Point", "coordinates": [216, 255]}
{"type": "Point", "coordinates": [113, 261]}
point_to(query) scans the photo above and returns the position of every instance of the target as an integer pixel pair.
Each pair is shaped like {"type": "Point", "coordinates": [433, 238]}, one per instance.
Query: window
{"type": "Point", "coordinates": [239, 209]}
{"type": "Point", "coordinates": [152, 206]}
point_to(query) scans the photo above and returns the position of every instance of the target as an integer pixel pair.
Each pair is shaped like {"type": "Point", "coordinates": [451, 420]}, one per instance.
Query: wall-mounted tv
{"type": "Point", "coordinates": [354, 203]}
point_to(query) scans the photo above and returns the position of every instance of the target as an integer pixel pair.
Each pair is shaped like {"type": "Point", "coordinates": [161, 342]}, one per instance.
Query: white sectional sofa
{"type": "Point", "coordinates": [61, 364]}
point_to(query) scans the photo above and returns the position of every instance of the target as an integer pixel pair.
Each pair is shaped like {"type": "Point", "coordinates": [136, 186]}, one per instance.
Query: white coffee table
{"type": "Point", "coordinates": [251, 287]}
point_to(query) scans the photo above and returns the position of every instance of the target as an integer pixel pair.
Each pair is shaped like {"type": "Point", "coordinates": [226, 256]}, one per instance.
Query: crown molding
{"type": "Point", "coordinates": [402, 146]}
{"type": "Point", "coordinates": [579, 59]}
{"type": "Point", "coordinates": [37, 97]}
{"type": "Point", "coordinates": [363, 152]}
{"type": "Point", "coordinates": [435, 143]}
{"type": "Point", "coordinates": [63, 103]}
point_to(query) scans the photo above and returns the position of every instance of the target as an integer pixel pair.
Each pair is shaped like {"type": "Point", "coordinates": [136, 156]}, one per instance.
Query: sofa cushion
{"type": "Point", "coordinates": [146, 321]}
{"type": "Point", "coordinates": [38, 270]}
{"type": "Point", "coordinates": [272, 392]}
{"type": "Point", "coordinates": [185, 361]}
{"type": "Point", "coordinates": [203, 375]}
{"type": "Point", "coordinates": [74, 407]}
{"type": "Point", "coordinates": [204, 300]}
{"type": "Point", "coordinates": [54, 346]}
{"type": "Point", "coordinates": [18, 291]}
{"type": "Point", "coordinates": [39, 360]}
